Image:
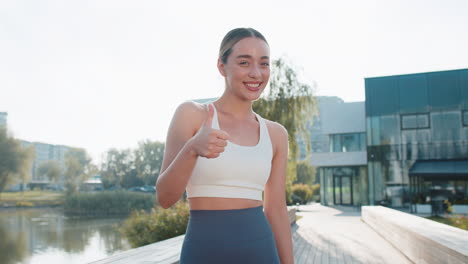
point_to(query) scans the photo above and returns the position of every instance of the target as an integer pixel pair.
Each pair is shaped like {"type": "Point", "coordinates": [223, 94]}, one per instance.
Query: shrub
{"type": "Point", "coordinates": [108, 202]}
{"type": "Point", "coordinates": [143, 228]}
{"type": "Point", "coordinates": [24, 204]}
{"type": "Point", "coordinates": [303, 191]}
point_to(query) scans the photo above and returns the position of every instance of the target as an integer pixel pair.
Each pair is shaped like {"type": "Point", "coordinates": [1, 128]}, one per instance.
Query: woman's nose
{"type": "Point", "coordinates": [254, 72]}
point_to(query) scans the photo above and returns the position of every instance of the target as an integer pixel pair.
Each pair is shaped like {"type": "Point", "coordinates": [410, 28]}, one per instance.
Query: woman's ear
{"type": "Point", "coordinates": [221, 68]}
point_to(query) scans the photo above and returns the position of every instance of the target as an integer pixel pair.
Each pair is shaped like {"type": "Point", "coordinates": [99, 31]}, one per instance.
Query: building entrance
{"type": "Point", "coordinates": [342, 190]}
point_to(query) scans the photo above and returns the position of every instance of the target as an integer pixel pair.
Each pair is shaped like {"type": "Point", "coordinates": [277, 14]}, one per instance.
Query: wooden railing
{"type": "Point", "coordinates": [163, 252]}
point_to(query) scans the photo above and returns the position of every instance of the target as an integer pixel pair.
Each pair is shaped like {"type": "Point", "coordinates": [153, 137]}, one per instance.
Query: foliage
{"type": "Point", "coordinates": [315, 189]}
{"type": "Point", "coordinates": [290, 103]}
{"type": "Point", "coordinates": [117, 167]}
{"type": "Point", "coordinates": [458, 221]}
{"type": "Point", "coordinates": [148, 160]}
{"type": "Point", "coordinates": [303, 191]}
{"type": "Point", "coordinates": [107, 203]}
{"type": "Point", "coordinates": [24, 204]}
{"type": "Point", "coordinates": [78, 167]}
{"type": "Point", "coordinates": [461, 201]}
{"type": "Point", "coordinates": [290, 170]}
{"type": "Point", "coordinates": [127, 168]}
{"type": "Point", "coordinates": [15, 161]}
{"type": "Point", "coordinates": [305, 173]}
{"type": "Point", "coordinates": [143, 228]}
{"type": "Point", "coordinates": [51, 169]}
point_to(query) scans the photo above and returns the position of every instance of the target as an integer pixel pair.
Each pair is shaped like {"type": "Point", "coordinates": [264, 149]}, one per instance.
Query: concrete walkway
{"type": "Point", "coordinates": [337, 235]}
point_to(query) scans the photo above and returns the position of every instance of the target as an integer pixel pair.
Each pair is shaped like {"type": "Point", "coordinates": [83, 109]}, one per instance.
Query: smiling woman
{"type": "Point", "coordinates": [225, 156]}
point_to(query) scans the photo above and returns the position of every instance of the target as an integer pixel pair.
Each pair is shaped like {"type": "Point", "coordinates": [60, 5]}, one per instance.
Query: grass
{"type": "Point", "coordinates": [31, 198]}
{"type": "Point", "coordinates": [458, 221]}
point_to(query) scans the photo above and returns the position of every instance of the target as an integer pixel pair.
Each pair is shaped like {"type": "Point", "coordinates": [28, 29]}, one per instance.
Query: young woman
{"type": "Point", "coordinates": [225, 155]}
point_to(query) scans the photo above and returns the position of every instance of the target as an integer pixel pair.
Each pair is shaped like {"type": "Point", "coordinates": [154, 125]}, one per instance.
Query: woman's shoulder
{"type": "Point", "coordinates": [276, 130]}
{"type": "Point", "coordinates": [192, 109]}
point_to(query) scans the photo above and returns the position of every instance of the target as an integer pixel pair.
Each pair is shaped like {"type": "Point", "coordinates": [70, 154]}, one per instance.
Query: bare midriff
{"type": "Point", "coordinates": [218, 203]}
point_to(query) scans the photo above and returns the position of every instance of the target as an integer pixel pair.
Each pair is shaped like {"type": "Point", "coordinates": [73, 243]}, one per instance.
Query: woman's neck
{"type": "Point", "coordinates": [239, 109]}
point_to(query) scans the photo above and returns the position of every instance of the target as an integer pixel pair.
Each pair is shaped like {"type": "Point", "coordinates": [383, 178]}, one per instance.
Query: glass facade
{"type": "Point", "coordinates": [349, 142]}
{"type": "Point", "coordinates": [409, 118]}
{"type": "Point", "coordinates": [344, 185]}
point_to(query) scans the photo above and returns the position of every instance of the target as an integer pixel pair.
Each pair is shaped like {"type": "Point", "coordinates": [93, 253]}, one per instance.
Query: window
{"type": "Point", "coordinates": [349, 142]}
{"type": "Point", "coordinates": [465, 118]}
{"type": "Point", "coordinates": [415, 121]}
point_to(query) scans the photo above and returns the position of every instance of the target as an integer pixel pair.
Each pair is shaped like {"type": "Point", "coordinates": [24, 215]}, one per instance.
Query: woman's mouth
{"type": "Point", "coordinates": [253, 86]}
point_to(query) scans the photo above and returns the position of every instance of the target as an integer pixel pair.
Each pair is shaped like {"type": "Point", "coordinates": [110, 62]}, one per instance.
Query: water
{"type": "Point", "coordinates": [47, 236]}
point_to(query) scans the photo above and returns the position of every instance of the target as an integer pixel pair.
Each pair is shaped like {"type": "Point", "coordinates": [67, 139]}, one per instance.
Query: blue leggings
{"type": "Point", "coordinates": [229, 236]}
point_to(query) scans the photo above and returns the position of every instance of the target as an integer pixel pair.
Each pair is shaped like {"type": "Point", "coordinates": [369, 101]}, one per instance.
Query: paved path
{"type": "Point", "coordinates": [326, 235]}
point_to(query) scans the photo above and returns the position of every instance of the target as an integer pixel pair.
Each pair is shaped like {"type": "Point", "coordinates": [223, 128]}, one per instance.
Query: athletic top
{"type": "Point", "coordinates": [238, 172]}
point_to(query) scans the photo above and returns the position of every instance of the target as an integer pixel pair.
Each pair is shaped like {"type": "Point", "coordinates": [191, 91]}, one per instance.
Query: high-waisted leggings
{"type": "Point", "coordinates": [229, 236]}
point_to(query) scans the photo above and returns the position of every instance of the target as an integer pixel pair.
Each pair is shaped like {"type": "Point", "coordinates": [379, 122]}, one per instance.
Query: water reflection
{"type": "Point", "coordinates": [38, 235]}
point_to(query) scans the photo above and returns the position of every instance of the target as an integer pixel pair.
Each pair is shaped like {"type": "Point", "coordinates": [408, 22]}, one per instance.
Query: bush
{"type": "Point", "coordinates": [143, 228]}
{"type": "Point", "coordinates": [303, 191]}
{"type": "Point", "coordinates": [108, 202]}
{"type": "Point", "coordinates": [24, 204]}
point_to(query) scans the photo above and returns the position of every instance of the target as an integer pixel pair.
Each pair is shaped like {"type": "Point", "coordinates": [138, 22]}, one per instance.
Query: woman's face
{"type": "Point", "coordinates": [247, 69]}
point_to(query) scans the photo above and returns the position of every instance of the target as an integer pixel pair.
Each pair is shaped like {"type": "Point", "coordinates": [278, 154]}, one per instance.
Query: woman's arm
{"type": "Point", "coordinates": [183, 146]}
{"type": "Point", "coordinates": [275, 198]}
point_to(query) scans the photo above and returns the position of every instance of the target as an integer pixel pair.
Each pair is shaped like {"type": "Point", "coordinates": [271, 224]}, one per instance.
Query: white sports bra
{"type": "Point", "coordinates": [238, 172]}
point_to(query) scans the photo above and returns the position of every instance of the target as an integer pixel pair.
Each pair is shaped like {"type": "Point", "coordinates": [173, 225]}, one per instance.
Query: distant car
{"type": "Point", "coordinates": [136, 189]}
{"type": "Point", "coordinates": [149, 188]}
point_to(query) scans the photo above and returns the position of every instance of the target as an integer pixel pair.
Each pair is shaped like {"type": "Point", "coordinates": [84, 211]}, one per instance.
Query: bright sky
{"type": "Point", "coordinates": [109, 73]}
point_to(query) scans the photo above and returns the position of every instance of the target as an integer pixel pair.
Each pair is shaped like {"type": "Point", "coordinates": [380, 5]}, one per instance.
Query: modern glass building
{"type": "Point", "coordinates": [406, 144]}
{"type": "Point", "coordinates": [417, 137]}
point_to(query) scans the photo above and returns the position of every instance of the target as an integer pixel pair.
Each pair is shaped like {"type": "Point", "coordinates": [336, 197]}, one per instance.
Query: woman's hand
{"type": "Point", "coordinates": [209, 142]}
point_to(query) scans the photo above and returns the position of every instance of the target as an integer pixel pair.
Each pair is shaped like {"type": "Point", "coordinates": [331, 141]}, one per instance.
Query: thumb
{"type": "Point", "coordinates": [209, 120]}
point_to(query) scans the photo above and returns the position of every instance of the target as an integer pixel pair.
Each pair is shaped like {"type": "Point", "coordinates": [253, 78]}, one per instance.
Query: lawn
{"type": "Point", "coordinates": [31, 198]}
{"type": "Point", "coordinates": [459, 221]}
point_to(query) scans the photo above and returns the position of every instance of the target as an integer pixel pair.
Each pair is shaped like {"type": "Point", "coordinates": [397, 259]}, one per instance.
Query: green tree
{"type": "Point", "coordinates": [148, 160]}
{"type": "Point", "coordinates": [78, 168]}
{"type": "Point", "coordinates": [118, 169]}
{"type": "Point", "coordinates": [51, 169]}
{"type": "Point", "coordinates": [15, 161]}
{"type": "Point", "coordinates": [305, 173]}
{"type": "Point", "coordinates": [291, 103]}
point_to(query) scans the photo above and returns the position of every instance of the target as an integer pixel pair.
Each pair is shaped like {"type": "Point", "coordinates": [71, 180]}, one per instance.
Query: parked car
{"type": "Point", "coordinates": [149, 188]}
{"type": "Point", "coordinates": [136, 189]}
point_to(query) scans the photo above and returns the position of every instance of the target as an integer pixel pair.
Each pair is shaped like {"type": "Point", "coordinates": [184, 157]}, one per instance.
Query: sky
{"type": "Point", "coordinates": [107, 74]}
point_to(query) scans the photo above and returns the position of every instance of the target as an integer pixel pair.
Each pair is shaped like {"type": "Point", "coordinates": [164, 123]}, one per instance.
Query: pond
{"type": "Point", "coordinates": [48, 236]}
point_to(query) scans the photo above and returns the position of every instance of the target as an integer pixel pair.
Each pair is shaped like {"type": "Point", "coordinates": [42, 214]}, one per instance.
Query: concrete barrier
{"type": "Point", "coordinates": [419, 239]}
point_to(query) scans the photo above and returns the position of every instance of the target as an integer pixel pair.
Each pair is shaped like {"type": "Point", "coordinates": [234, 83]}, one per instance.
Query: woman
{"type": "Point", "coordinates": [225, 155]}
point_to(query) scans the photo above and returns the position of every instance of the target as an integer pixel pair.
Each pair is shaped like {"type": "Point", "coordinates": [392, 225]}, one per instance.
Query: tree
{"type": "Point", "coordinates": [15, 161]}
{"type": "Point", "coordinates": [148, 160]}
{"type": "Point", "coordinates": [305, 173]}
{"type": "Point", "coordinates": [78, 167]}
{"type": "Point", "coordinates": [51, 169]}
{"type": "Point", "coordinates": [118, 168]}
{"type": "Point", "coordinates": [290, 103]}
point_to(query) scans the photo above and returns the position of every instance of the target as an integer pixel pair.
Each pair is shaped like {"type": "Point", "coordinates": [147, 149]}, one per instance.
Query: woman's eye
{"type": "Point", "coordinates": [244, 63]}
{"type": "Point", "coordinates": [266, 64]}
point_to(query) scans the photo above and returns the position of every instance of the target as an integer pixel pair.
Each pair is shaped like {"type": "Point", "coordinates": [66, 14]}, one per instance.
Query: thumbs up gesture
{"type": "Point", "coordinates": [209, 142]}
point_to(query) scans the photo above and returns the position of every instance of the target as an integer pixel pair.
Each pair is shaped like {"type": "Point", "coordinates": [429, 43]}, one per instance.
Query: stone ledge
{"type": "Point", "coordinates": [419, 239]}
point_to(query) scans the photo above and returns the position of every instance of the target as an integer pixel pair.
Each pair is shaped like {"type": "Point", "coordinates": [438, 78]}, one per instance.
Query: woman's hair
{"type": "Point", "coordinates": [233, 36]}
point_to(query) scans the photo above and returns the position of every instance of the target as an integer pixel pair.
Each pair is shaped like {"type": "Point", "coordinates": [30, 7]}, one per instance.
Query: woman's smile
{"type": "Point", "coordinates": [253, 86]}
